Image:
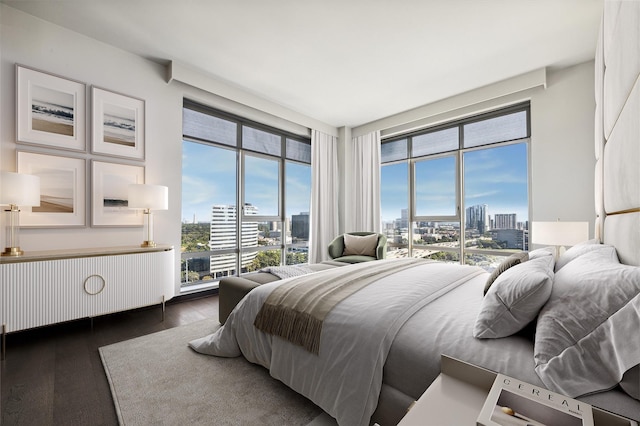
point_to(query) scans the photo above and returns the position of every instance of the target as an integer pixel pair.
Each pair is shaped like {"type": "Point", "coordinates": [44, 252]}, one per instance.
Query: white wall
{"type": "Point", "coordinates": [38, 44]}
{"type": "Point", "coordinates": [562, 147]}
{"type": "Point", "coordinates": [562, 116]}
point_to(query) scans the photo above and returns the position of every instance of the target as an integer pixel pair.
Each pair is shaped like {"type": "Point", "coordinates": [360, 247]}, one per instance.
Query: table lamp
{"type": "Point", "coordinates": [17, 190]}
{"type": "Point", "coordinates": [148, 198]}
{"type": "Point", "coordinates": [559, 234]}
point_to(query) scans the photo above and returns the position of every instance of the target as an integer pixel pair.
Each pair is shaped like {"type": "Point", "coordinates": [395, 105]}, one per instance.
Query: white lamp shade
{"type": "Point", "coordinates": [19, 189]}
{"type": "Point", "coordinates": [153, 197]}
{"type": "Point", "coordinates": [559, 233]}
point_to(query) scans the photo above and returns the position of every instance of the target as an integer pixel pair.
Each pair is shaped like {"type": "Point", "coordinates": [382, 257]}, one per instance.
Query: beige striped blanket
{"type": "Point", "coordinates": [296, 309]}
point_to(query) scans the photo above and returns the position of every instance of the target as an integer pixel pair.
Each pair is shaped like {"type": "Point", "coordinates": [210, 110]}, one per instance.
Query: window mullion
{"type": "Point", "coordinates": [282, 195]}
{"type": "Point", "coordinates": [239, 205]}
{"type": "Point", "coordinates": [461, 206]}
{"type": "Point", "coordinates": [412, 205]}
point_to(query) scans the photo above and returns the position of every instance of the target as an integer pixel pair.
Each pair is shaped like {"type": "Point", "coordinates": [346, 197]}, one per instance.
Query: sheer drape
{"type": "Point", "coordinates": [324, 195]}
{"type": "Point", "coordinates": [365, 203]}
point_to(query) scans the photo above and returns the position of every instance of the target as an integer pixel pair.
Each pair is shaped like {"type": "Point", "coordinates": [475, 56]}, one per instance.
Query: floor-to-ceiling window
{"type": "Point", "coordinates": [459, 192]}
{"type": "Point", "coordinates": [227, 162]}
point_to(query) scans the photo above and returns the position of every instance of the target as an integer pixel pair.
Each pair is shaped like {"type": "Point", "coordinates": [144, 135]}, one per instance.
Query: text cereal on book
{"type": "Point", "coordinates": [512, 402]}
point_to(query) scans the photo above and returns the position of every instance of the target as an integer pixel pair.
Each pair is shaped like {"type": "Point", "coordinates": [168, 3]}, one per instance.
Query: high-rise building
{"type": "Point", "coordinates": [478, 218]}
{"type": "Point", "coordinates": [300, 226]}
{"type": "Point", "coordinates": [403, 221]}
{"type": "Point", "coordinates": [223, 236]}
{"type": "Point", "coordinates": [511, 238]}
{"type": "Point", "coordinates": [505, 221]}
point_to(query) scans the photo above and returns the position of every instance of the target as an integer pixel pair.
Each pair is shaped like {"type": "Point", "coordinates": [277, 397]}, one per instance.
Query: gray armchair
{"type": "Point", "coordinates": [337, 249]}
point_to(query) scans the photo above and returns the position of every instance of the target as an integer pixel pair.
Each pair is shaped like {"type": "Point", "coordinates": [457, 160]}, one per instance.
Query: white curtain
{"type": "Point", "coordinates": [324, 195]}
{"type": "Point", "coordinates": [365, 202]}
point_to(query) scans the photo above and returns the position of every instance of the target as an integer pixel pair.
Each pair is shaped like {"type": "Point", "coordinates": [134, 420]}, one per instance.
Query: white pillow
{"type": "Point", "coordinates": [545, 251]}
{"type": "Point", "coordinates": [583, 338]}
{"type": "Point", "coordinates": [515, 298]}
{"type": "Point", "coordinates": [509, 262]}
{"type": "Point", "coordinates": [577, 251]}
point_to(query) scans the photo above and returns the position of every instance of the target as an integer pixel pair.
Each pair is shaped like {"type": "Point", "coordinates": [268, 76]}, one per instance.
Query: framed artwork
{"type": "Point", "coordinates": [50, 110]}
{"type": "Point", "coordinates": [62, 190]}
{"type": "Point", "coordinates": [118, 125]}
{"type": "Point", "coordinates": [110, 187]}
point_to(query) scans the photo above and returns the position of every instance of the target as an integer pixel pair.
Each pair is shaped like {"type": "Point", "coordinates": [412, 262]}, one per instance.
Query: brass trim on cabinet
{"type": "Point", "coordinates": [101, 288]}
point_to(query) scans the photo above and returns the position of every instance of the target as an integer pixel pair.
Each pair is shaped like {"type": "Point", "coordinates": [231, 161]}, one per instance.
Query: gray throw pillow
{"type": "Point", "coordinates": [514, 299]}
{"type": "Point", "coordinates": [513, 260]}
{"type": "Point", "coordinates": [630, 382]}
{"type": "Point", "coordinates": [582, 342]}
{"type": "Point", "coordinates": [357, 245]}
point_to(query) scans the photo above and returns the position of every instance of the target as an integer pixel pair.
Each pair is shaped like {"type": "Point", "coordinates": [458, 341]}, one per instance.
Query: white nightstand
{"type": "Point", "coordinates": [456, 397]}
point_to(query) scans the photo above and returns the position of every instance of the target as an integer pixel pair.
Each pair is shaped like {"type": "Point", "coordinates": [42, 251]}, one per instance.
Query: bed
{"type": "Point", "coordinates": [571, 323]}
{"type": "Point", "coordinates": [430, 308]}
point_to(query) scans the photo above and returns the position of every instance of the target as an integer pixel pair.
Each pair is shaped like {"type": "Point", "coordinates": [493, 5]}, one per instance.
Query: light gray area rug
{"type": "Point", "coordinates": [157, 379]}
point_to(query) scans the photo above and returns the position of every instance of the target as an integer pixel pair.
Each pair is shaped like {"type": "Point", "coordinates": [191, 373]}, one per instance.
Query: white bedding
{"type": "Point", "coordinates": [380, 309]}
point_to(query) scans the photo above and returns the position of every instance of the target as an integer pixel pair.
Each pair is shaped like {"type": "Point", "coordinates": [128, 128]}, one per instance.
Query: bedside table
{"type": "Point", "coordinates": [457, 395]}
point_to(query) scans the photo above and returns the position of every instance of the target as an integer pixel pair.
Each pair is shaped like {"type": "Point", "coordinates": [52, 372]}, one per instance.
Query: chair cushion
{"type": "Point", "coordinates": [355, 259]}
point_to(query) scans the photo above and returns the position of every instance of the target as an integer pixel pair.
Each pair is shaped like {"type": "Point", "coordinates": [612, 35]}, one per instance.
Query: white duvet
{"type": "Point", "coordinates": [346, 377]}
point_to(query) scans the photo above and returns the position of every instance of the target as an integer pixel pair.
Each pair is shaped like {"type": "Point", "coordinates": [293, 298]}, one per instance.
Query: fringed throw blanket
{"type": "Point", "coordinates": [288, 271]}
{"type": "Point", "coordinates": [295, 310]}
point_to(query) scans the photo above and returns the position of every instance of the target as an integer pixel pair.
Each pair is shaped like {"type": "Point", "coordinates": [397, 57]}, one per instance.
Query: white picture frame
{"type": "Point", "coordinates": [118, 124]}
{"type": "Point", "coordinates": [62, 190]}
{"type": "Point", "coordinates": [109, 194]}
{"type": "Point", "coordinates": [50, 110]}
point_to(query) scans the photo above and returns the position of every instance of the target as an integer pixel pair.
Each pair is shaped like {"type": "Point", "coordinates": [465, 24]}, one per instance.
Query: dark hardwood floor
{"type": "Point", "coordinates": [54, 376]}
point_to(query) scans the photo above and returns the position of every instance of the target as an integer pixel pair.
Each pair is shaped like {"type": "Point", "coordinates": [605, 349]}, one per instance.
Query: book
{"type": "Point", "coordinates": [512, 402]}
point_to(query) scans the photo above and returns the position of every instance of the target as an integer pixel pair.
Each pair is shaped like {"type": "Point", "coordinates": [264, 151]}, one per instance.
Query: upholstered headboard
{"type": "Point", "coordinates": [617, 129]}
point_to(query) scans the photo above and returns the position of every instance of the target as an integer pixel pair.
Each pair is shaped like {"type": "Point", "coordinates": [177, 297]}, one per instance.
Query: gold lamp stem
{"type": "Point", "coordinates": [13, 232]}
{"type": "Point", "coordinates": [148, 231]}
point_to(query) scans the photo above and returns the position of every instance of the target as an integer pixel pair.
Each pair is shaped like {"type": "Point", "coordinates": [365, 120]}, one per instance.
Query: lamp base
{"type": "Point", "coordinates": [12, 251]}
{"type": "Point", "coordinates": [148, 244]}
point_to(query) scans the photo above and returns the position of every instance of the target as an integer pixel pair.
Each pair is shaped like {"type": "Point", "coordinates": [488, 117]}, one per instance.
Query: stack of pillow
{"type": "Point", "coordinates": [587, 306]}
{"type": "Point", "coordinates": [514, 294]}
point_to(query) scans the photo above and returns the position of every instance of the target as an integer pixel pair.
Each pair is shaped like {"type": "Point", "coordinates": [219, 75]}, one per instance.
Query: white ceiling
{"type": "Point", "coordinates": [343, 62]}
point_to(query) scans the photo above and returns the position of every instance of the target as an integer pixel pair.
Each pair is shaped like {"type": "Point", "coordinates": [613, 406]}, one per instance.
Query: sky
{"type": "Point", "coordinates": [495, 176]}
{"type": "Point", "coordinates": [208, 178]}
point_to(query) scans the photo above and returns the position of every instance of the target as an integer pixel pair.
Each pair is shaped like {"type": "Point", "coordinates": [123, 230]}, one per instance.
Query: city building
{"type": "Point", "coordinates": [300, 226]}
{"type": "Point", "coordinates": [478, 218]}
{"type": "Point", "coordinates": [223, 236]}
{"type": "Point", "coordinates": [505, 221]}
{"type": "Point", "coordinates": [511, 238]}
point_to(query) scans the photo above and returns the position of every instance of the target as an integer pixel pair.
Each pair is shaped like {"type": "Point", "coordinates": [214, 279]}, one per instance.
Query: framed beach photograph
{"type": "Point", "coordinates": [118, 124]}
{"type": "Point", "coordinates": [50, 110]}
{"type": "Point", "coordinates": [109, 194]}
{"type": "Point", "coordinates": [62, 190]}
